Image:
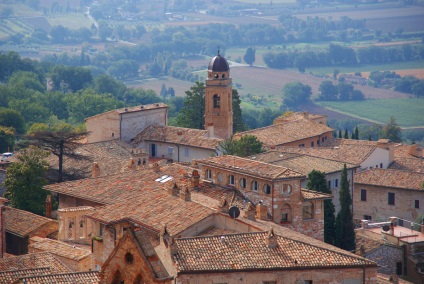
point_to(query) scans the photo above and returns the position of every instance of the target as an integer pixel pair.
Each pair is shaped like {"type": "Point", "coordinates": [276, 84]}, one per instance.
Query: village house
{"type": "Point", "coordinates": [301, 132]}
{"type": "Point", "coordinates": [291, 116]}
{"type": "Point", "coordinates": [380, 192]}
{"type": "Point", "coordinates": [397, 246]}
{"type": "Point", "coordinates": [124, 124]}
{"type": "Point", "coordinates": [304, 164]}
{"type": "Point", "coordinates": [20, 226]}
{"type": "Point", "coordinates": [408, 158]}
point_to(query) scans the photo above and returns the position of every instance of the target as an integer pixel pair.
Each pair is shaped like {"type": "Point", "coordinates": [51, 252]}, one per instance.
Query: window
{"type": "Point", "coordinates": [216, 101]}
{"type": "Point", "coordinates": [113, 134]}
{"type": "Point", "coordinates": [398, 268]}
{"type": "Point", "coordinates": [129, 258]}
{"type": "Point", "coordinates": [208, 174]}
{"type": "Point", "coordinates": [187, 152]}
{"type": "Point", "coordinates": [254, 185]}
{"type": "Point", "coordinates": [329, 184]}
{"type": "Point", "coordinates": [301, 145]}
{"type": "Point", "coordinates": [101, 230]}
{"type": "Point", "coordinates": [312, 144]}
{"type": "Point", "coordinates": [391, 198]}
{"type": "Point", "coordinates": [318, 142]}
{"type": "Point", "coordinates": [285, 189]}
{"type": "Point", "coordinates": [336, 183]}
{"type": "Point", "coordinates": [308, 210]}
{"type": "Point", "coordinates": [381, 165]}
{"type": "Point", "coordinates": [231, 180]}
{"type": "Point", "coordinates": [267, 189]}
{"type": "Point", "coordinates": [170, 150]}
{"type": "Point", "coordinates": [285, 213]}
{"type": "Point", "coordinates": [243, 183]}
{"type": "Point", "coordinates": [363, 195]}
{"type": "Point", "coordinates": [269, 282]}
{"type": "Point", "coordinates": [322, 139]}
{"type": "Point", "coordinates": [417, 204]}
{"type": "Point", "coordinates": [367, 217]}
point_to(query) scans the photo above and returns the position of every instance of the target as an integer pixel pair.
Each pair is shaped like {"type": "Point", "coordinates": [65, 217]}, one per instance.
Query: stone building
{"type": "Point", "coordinates": [124, 124]}
{"type": "Point", "coordinates": [276, 187]}
{"type": "Point", "coordinates": [299, 133]}
{"type": "Point", "coordinates": [219, 97]}
{"type": "Point", "coordinates": [380, 192]}
{"type": "Point", "coordinates": [319, 118]}
{"type": "Point", "coordinates": [408, 158]}
{"type": "Point", "coordinates": [304, 164]}
{"type": "Point", "coordinates": [397, 246]}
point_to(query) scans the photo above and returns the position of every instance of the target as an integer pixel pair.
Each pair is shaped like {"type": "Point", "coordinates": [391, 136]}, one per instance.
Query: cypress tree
{"type": "Point", "coordinates": [317, 182]}
{"type": "Point", "coordinates": [345, 228]}
{"type": "Point", "coordinates": [340, 133]}
{"type": "Point", "coordinates": [356, 133]}
{"type": "Point", "coordinates": [346, 134]}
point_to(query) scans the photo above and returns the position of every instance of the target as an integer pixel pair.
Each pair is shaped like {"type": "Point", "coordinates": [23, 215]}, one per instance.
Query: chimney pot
{"type": "Point", "coordinates": [271, 239]}
{"type": "Point", "coordinates": [261, 211]}
{"type": "Point", "coordinates": [250, 212]}
{"type": "Point", "coordinates": [49, 205]}
{"type": "Point", "coordinates": [223, 206]}
{"type": "Point", "coordinates": [174, 189]}
{"type": "Point", "coordinates": [211, 130]}
{"type": "Point", "coordinates": [95, 170]}
{"type": "Point", "coordinates": [195, 178]}
{"type": "Point", "coordinates": [185, 194]}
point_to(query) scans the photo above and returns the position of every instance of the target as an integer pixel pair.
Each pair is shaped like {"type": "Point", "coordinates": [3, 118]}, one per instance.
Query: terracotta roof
{"type": "Point", "coordinates": [302, 163]}
{"type": "Point", "coordinates": [65, 278]}
{"type": "Point", "coordinates": [11, 276]}
{"type": "Point", "coordinates": [347, 153]}
{"type": "Point", "coordinates": [365, 244]}
{"type": "Point", "coordinates": [215, 231]}
{"type": "Point", "coordinates": [23, 223]}
{"type": "Point", "coordinates": [131, 109]}
{"type": "Point", "coordinates": [158, 209]}
{"type": "Point", "coordinates": [33, 260]}
{"type": "Point", "coordinates": [247, 251]}
{"type": "Point", "coordinates": [298, 115]}
{"type": "Point", "coordinates": [314, 195]}
{"type": "Point", "coordinates": [169, 134]}
{"type": "Point", "coordinates": [283, 133]}
{"type": "Point", "coordinates": [112, 157]}
{"type": "Point", "coordinates": [250, 167]}
{"type": "Point", "coordinates": [408, 164]}
{"type": "Point", "coordinates": [391, 178]}
{"type": "Point", "coordinates": [59, 248]}
{"type": "Point", "coordinates": [342, 141]}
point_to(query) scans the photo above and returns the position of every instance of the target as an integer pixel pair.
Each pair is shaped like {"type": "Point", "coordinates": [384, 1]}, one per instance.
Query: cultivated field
{"type": "Point", "coordinates": [155, 84]}
{"type": "Point", "coordinates": [408, 112]}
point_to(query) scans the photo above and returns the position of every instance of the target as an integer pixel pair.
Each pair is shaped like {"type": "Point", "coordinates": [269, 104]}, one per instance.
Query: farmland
{"type": "Point", "coordinates": [408, 112]}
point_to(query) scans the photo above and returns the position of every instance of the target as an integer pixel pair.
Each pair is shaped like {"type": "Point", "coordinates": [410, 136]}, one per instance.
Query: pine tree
{"type": "Point", "coordinates": [317, 182]}
{"type": "Point", "coordinates": [346, 134]}
{"type": "Point", "coordinates": [345, 228]}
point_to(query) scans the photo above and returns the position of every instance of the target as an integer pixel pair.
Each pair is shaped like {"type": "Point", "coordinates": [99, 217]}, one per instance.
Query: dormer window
{"type": "Point", "coordinates": [216, 76]}
{"type": "Point", "coordinates": [286, 189]}
{"type": "Point", "coordinates": [216, 101]}
{"type": "Point", "coordinates": [231, 180]}
{"type": "Point", "coordinates": [223, 76]}
{"type": "Point", "coordinates": [243, 183]}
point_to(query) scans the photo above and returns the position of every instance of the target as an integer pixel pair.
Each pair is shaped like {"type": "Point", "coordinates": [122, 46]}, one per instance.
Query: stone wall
{"type": "Point", "coordinates": [386, 257]}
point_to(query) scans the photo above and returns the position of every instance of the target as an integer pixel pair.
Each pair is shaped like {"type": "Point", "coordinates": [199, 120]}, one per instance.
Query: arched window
{"type": "Point", "coordinates": [243, 183]}
{"type": "Point", "coordinates": [267, 189]}
{"type": "Point", "coordinates": [117, 278]}
{"type": "Point", "coordinates": [308, 210]}
{"type": "Point", "coordinates": [138, 279]}
{"type": "Point", "coordinates": [286, 189]}
{"type": "Point", "coordinates": [231, 180]}
{"type": "Point", "coordinates": [216, 101]}
{"type": "Point", "coordinates": [208, 174]}
{"type": "Point", "coordinates": [223, 76]}
{"type": "Point", "coordinates": [254, 185]}
{"type": "Point", "coordinates": [285, 213]}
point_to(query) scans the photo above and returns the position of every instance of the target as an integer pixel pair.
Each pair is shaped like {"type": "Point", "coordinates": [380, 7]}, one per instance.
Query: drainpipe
{"type": "Point", "coordinates": [178, 153]}
{"type": "Point", "coordinates": [120, 127]}
{"type": "Point", "coordinates": [272, 202]}
{"type": "Point", "coordinates": [363, 274]}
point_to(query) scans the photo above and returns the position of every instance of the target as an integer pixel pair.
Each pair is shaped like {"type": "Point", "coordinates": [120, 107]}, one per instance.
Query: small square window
{"type": "Point", "coordinates": [336, 183]}
{"type": "Point", "coordinates": [381, 165]}
{"type": "Point", "coordinates": [329, 184]}
{"type": "Point", "coordinates": [170, 150]}
{"type": "Point", "coordinates": [363, 195]}
{"type": "Point", "coordinates": [367, 217]}
{"type": "Point", "coordinates": [187, 152]}
{"type": "Point", "coordinates": [417, 204]}
{"type": "Point", "coordinates": [391, 198]}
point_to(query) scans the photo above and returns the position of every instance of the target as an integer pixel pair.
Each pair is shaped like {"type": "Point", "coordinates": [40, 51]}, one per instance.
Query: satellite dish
{"type": "Point", "coordinates": [386, 228]}
{"type": "Point", "coordinates": [234, 212]}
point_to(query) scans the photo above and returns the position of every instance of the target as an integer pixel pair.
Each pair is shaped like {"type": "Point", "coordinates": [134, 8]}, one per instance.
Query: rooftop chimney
{"type": "Point", "coordinates": [415, 151]}
{"type": "Point", "coordinates": [223, 206]}
{"type": "Point", "coordinates": [211, 130]}
{"type": "Point", "coordinates": [180, 135]}
{"type": "Point", "coordinates": [195, 178]}
{"type": "Point", "coordinates": [131, 164]}
{"type": "Point", "coordinates": [271, 239]}
{"type": "Point", "coordinates": [49, 206]}
{"type": "Point", "coordinates": [2, 227]}
{"type": "Point", "coordinates": [305, 114]}
{"type": "Point", "coordinates": [250, 212]}
{"type": "Point", "coordinates": [95, 170]}
{"type": "Point", "coordinates": [185, 194]}
{"type": "Point", "coordinates": [261, 211]}
{"type": "Point", "coordinates": [156, 167]}
{"type": "Point", "coordinates": [174, 189]}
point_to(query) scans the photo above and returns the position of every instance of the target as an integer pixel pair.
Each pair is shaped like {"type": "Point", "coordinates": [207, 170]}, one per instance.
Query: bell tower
{"type": "Point", "coordinates": [219, 97]}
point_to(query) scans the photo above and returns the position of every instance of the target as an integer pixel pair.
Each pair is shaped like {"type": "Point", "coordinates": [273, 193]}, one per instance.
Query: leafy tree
{"type": "Point", "coordinates": [345, 228]}
{"type": "Point", "coordinates": [12, 118]}
{"type": "Point", "coordinates": [70, 77]}
{"type": "Point", "coordinates": [171, 92]}
{"type": "Point", "coordinates": [104, 84]}
{"type": "Point", "coordinates": [25, 180]}
{"type": "Point", "coordinates": [345, 91]}
{"type": "Point", "coordinates": [59, 34]}
{"type": "Point", "coordinates": [238, 125]}
{"type": "Point", "coordinates": [7, 139]}
{"type": "Point", "coordinates": [317, 182]}
{"type": "Point", "coordinates": [392, 131]}
{"type": "Point", "coordinates": [295, 94]}
{"type": "Point", "coordinates": [249, 56]}
{"type": "Point", "coordinates": [328, 92]}
{"type": "Point", "coordinates": [60, 140]}
{"type": "Point", "coordinates": [418, 89]}
{"type": "Point", "coordinates": [163, 91]}
{"type": "Point", "coordinates": [247, 145]}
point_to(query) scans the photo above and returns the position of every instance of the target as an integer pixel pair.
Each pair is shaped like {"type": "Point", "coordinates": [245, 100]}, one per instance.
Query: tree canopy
{"type": "Point", "coordinates": [392, 131]}
{"type": "Point", "coordinates": [249, 56]}
{"type": "Point", "coordinates": [247, 145]}
{"type": "Point", "coordinates": [25, 180]}
{"type": "Point", "coordinates": [295, 94]}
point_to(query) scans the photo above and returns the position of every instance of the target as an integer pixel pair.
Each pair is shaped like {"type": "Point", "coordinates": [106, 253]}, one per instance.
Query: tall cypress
{"type": "Point", "coordinates": [345, 228]}
{"type": "Point", "coordinates": [356, 133]}
{"type": "Point", "coordinates": [346, 134]}
{"type": "Point", "coordinates": [317, 182]}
